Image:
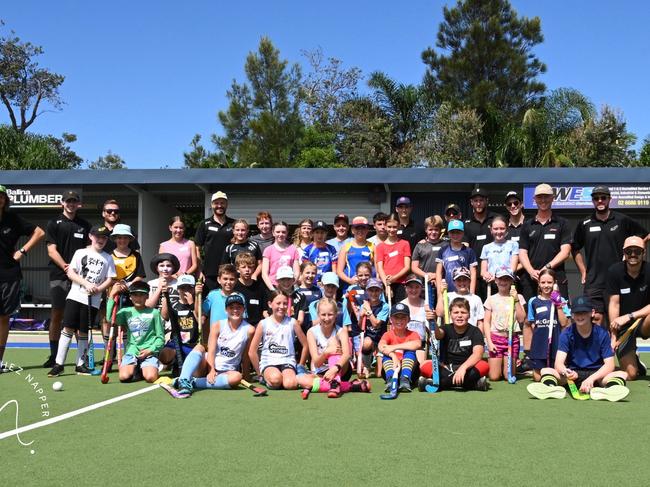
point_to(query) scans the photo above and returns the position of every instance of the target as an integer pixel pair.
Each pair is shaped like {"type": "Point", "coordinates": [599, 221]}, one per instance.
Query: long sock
{"type": "Point", "coordinates": [220, 382]}
{"type": "Point", "coordinates": [387, 365]}
{"type": "Point", "coordinates": [323, 385]}
{"type": "Point", "coordinates": [64, 345]}
{"type": "Point", "coordinates": [190, 364]}
{"type": "Point", "coordinates": [54, 347]}
{"type": "Point", "coordinates": [549, 380]}
{"type": "Point", "coordinates": [615, 381]}
{"type": "Point", "coordinates": [408, 361]}
{"type": "Point", "coordinates": [345, 386]}
{"type": "Point", "coordinates": [82, 350]}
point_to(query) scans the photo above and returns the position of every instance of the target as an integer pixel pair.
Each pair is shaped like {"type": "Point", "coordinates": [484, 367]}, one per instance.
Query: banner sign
{"type": "Point", "coordinates": [37, 197]}
{"type": "Point", "coordinates": [570, 197]}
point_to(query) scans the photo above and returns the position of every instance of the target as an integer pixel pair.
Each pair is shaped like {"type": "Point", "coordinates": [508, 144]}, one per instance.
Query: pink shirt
{"type": "Point", "coordinates": [181, 250]}
{"type": "Point", "coordinates": [278, 258]}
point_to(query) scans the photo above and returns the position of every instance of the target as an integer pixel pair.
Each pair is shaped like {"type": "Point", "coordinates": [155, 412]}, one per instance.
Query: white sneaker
{"type": "Point", "coordinates": [612, 393]}
{"type": "Point", "coordinates": [542, 391]}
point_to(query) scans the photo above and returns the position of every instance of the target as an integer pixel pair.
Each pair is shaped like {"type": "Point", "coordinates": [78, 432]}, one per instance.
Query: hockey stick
{"type": "Point", "coordinates": [361, 338]}
{"type": "Point", "coordinates": [90, 356]}
{"type": "Point", "coordinates": [176, 336]}
{"type": "Point", "coordinates": [173, 392]}
{"type": "Point", "coordinates": [625, 337]}
{"type": "Point", "coordinates": [392, 394]}
{"type": "Point", "coordinates": [108, 353]}
{"type": "Point", "coordinates": [575, 392]}
{"type": "Point", "coordinates": [511, 324]}
{"type": "Point", "coordinates": [258, 391]}
{"type": "Point", "coordinates": [445, 304]}
{"type": "Point", "coordinates": [551, 325]}
{"type": "Point", "coordinates": [435, 371]}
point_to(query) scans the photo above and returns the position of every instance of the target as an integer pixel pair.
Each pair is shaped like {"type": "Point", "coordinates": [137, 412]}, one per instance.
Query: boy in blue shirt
{"type": "Point", "coordinates": [322, 254]}
{"type": "Point", "coordinates": [455, 255]}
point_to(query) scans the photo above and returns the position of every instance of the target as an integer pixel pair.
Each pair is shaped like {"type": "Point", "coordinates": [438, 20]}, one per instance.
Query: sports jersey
{"type": "Point", "coordinates": [322, 343]}
{"type": "Point", "coordinates": [182, 250]}
{"type": "Point", "coordinates": [390, 338]}
{"type": "Point", "coordinates": [255, 296]}
{"type": "Point", "coordinates": [171, 288]}
{"type": "Point", "coordinates": [418, 319]}
{"type": "Point", "coordinates": [323, 257]}
{"type": "Point", "coordinates": [633, 293]}
{"type": "Point", "coordinates": [452, 259]}
{"type": "Point", "coordinates": [95, 267]}
{"type": "Point", "coordinates": [12, 227]}
{"type": "Point", "coordinates": [214, 306]}
{"type": "Point", "coordinates": [476, 308]}
{"type": "Point", "coordinates": [129, 267]}
{"type": "Point", "coordinates": [278, 257]}
{"type": "Point", "coordinates": [585, 353]}
{"type": "Point", "coordinates": [231, 346]}
{"type": "Point", "coordinates": [542, 241]}
{"type": "Point", "coordinates": [145, 330]}
{"type": "Point", "coordinates": [213, 237]}
{"type": "Point", "coordinates": [456, 348]}
{"type": "Point", "coordinates": [499, 255]}
{"type": "Point", "coordinates": [514, 232]}
{"type": "Point", "coordinates": [234, 249]}
{"type": "Point", "coordinates": [392, 256]}
{"type": "Point", "coordinates": [426, 254]}
{"type": "Point", "coordinates": [297, 302]}
{"type": "Point", "coordinates": [539, 314]}
{"type": "Point", "coordinates": [500, 308]}
{"type": "Point", "coordinates": [277, 342]}
{"type": "Point", "coordinates": [187, 322]}
{"type": "Point", "coordinates": [355, 255]}
{"type": "Point", "coordinates": [68, 236]}
{"type": "Point", "coordinates": [312, 295]}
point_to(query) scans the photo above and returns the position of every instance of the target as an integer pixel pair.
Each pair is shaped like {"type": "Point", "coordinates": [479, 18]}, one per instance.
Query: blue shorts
{"type": "Point", "coordinates": [185, 348]}
{"type": "Point", "coordinates": [150, 361]}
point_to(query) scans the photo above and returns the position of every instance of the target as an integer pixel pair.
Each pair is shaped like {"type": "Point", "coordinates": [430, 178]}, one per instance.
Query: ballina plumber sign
{"type": "Point", "coordinates": [36, 197]}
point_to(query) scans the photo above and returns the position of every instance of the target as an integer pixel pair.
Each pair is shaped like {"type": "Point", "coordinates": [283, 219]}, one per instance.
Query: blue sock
{"type": "Point", "coordinates": [221, 382]}
{"type": "Point", "coordinates": [408, 361]}
{"type": "Point", "coordinates": [190, 364]}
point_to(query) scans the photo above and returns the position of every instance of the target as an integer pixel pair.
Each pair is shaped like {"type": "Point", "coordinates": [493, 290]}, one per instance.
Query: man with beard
{"type": "Point", "coordinates": [407, 230]}
{"type": "Point", "coordinates": [515, 215]}
{"type": "Point", "coordinates": [111, 216]}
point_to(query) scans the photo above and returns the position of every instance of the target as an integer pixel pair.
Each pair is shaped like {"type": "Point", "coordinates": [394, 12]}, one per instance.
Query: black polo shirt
{"type": "Point", "coordinates": [514, 232]}
{"type": "Point", "coordinates": [602, 242]}
{"type": "Point", "coordinates": [633, 294]}
{"type": "Point", "coordinates": [478, 234]}
{"type": "Point", "coordinates": [68, 236]}
{"type": "Point", "coordinates": [543, 241]}
{"type": "Point", "coordinates": [213, 237]}
{"type": "Point", "coordinates": [410, 232]}
{"type": "Point", "coordinates": [12, 227]}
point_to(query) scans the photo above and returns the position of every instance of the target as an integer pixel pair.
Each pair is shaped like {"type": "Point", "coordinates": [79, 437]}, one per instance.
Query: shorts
{"type": "Point", "coordinates": [375, 334]}
{"type": "Point", "coordinates": [185, 348]}
{"type": "Point", "coordinates": [582, 375]}
{"type": "Point", "coordinates": [75, 315]}
{"type": "Point", "coordinates": [596, 295]}
{"type": "Point", "coordinates": [150, 361]}
{"type": "Point", "coordinates": [9, 297]}
{"type": "Point", "coordinates": [501, 344]}
{"type": "Point", "coordinates": [281, 367]}
{"type": "Point", "coordinates": [59, 289]}
{"type": "Point", "coordinates": [630, 346]}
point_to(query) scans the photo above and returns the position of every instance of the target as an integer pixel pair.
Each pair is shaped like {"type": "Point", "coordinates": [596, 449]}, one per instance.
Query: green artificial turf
{"type": "Point", "coordinates": [500, 437]}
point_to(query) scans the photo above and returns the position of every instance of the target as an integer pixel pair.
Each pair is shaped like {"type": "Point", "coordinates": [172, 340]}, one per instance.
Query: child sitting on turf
{"type": "Point", "coordinates": [227, 355]}
{"type": "Point", "coordinates": [330, 356]}
{"type": "Point", "coordinates": [376, 316]}
{"type": "Point", "coordinates": [277, 363]}
{"type": "Point", "coordinates": [254, 291]}
{"type": "Point", "coordinates": [462, 281]}
{"type": "Point", "coordinates": [461, 352]}
{"type": "Point", "coordinates": [398, 346]}
{"type": "Point", "coordinates": [145, 336]}
{"type": "Point", "coordinates": [418, 322]}
{"type": "Point", "coordinates": [214, 305]}
{"type": "Point", "coordinates": [584, 356]}
{"type": "Point", "coordinates": [498, 320]}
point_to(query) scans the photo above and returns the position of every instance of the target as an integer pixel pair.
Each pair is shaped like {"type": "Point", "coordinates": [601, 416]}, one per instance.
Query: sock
{"type": "Point", "coordinates": [54, 347]}
{"type": "Point", "coordinates": [2, 352]}
{"type": "Point", "coordinates": [332, 360]}
{"type": "Point", "coordinates": [345, 386]}
{"type": "Point", "coordinates": [64, 345]}
{"type": "Point", "coordinates": [387, 365]}
{"type": "Point", "coordinates": [105, 337]}
{"type": "Point", "coordinates": [315, 386]}
{"type": "Point", "coordinates": [615, 381]}
{"type": "Point", "coordinates": [220, 382]}
{"type": "Point", "coordinates": [190, 364]}
{"type": "Point", "coordinates": [82, 350]}
{"type": "Point", "coordinates": [549, 380]}
{"type": "Point", "coordinates": [408, 361]}
{"type": "Point", "coordinates": [366, 358]}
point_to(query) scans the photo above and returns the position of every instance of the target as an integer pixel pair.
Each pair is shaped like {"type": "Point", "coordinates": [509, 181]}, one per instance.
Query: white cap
{"type": "Point", "coordinates": [284, 272]}
{"type": "Point", "coordinates": [330, 278]}
{"type": "Point", "coordinates": [219, 195]}
{"type": "Point", "coordinates": [185, 280]}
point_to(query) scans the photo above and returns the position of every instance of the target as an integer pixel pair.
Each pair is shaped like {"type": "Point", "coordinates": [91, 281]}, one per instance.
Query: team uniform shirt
{"type": "Point", "coordinates": [390, 338]}
{"type": "Point", "coordinates": [392, 255]}
{"type": "Point", "coordinates": [602, 242]}
{"type": "Point", "coordinates": [94, 267]}
{"type": "Point", "coordinates": [145, 330]}
{"type": "Point", "coordinates": [633, 293]}
{"type": "Point", "coordinates": [375, 240]}
{"type": "Point", "coordinates": [213, 237]}
{"type": "Point", "coordinates": [380, 310]}
{"type": "Point", "coordinates": [262, 242]}
{"type": "Point", "coordinates": [426, 254]}
{"type": "Point", "coordinates": [411, 233]}
{"type": "Point", "coordinates": [187, 322]}
{"type": "Point", "coordinates": [500, 308]}
{"type": "Point", "coordinates": [277, 342]}
{"type": "Point", "coordinates": [585, 353]}
{"type": "Point", "coordinates": [182, 250]}
{"type": "Point", "coordinates": [456, 348]}
{"type": "Point", "coordinates": [231, 346]}
{"type": "Point", "coordinates": [476, 308]}
{"type": "Point", "coordinates": [322, 343]}
{"type": "Point", "coordinates": [539, 315]}
{"type": "Point", "coordinates": [418, 320]}
{"type": "Point", "coordinates": [12, 227]}
{"type": "Point", "coordinates": [514, 232]}
{"type": "Point", "coordinates": [214, 306]}
{"type": "Point", "coordinates": [477, 233]}
{"type": "Point", "coordinates": [171, 288]}
{"type": "Point", "coordinates": [499, 255]}
{"type": "Point", "coordinates": [452, 259]}
{"type": "Point", "coordinates": [543, 241]}
{"type": "Point", "coordinates": [323, 257]}
{"type": "Point", "coordinates": [280, 257]}
{"type": "Point", "coordinates": [297, 303]}
{"type": "Point", "coordinates": [312, 295]}
{"type": "Point", "coordinates": [254, 296]}
{"type": "Point", "coordinates": [338, 244]}
{"type": "Point", "coordinates": [234, 249]}
{"type": "Point", "coordinates": [356, 255]}
{"type": "Point", "coordinates": [129, 267]}
{"type": "Point", "coordinates": [68, 236]}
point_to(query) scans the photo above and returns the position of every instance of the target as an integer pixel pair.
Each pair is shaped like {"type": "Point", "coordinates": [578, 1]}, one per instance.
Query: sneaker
{"type": "Point", "coordinates": [56, 371]}
{"type": "Point", "coordinates": [305, 393]}
{"type": "Point", "coordinates": [50, 362]}
{"type": "Point", "coordinates": [335, 391]}
{"type": "Point", "coordinates": [643, 370]}
{"type": "Point", "coordinates": [4, 370]}
{"type": "Point", "coordinates": [83, 370]}
{"type": "Point", "coordinates": [360, 386]}
{"type": "Point", "coordinates": [482, 384]}
{"type": "Point", "coordinates": [612, 393]}
{"type": "Point", "coordinates": [404, 384]}
{"type": "Point", "coordinates": [185, 386]}
{"type": "Point", "coordinates": [423, 382]}
{"type": "Point", "coordinates": [542, 391]}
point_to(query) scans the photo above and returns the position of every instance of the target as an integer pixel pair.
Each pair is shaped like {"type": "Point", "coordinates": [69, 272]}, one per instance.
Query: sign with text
{"type": "Point", "coordinates": [568, 197]}
{"type": "Point", "coordinates": [36, 197]}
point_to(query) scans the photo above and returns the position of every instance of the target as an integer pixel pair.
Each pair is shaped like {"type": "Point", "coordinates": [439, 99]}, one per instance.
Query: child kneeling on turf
{"type": "Point", "coordinates": [277, 363]}
{"type": "Point", "coordinates": [228, 347]}
{"type": "Point", "coordinates": [398, 346]}
{"type": "Point", "coordinates": [584, 356]}
{"type": "Point", "coordinates": [461, 352]}
{"type": "Point", "coordinates": [145, 335]}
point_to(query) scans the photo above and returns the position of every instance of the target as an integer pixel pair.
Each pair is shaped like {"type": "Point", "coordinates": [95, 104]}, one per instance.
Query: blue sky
{"type": "Point", "coordinates": [142, 77]}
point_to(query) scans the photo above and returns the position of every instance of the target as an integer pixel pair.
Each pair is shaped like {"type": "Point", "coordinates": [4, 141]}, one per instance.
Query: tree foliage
{"type": "Point", "coordinates": [109, 161]}
{"type": "Point", "coordinates": [23, 150]}
{"type": "Point", "coordinates": [644, 153]}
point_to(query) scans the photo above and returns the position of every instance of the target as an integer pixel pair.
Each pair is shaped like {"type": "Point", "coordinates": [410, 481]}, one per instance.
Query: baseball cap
{"type": "Point", "coordinates": [460, 272]}
{"type": "Point", "coordinates": [403, 200]}
{"type": "Point", "coordinates": [512, 194]}
{"type": "Point", "coordinates": [158, 258]}
{"type": "Point", "coordinates": [284, 272]}
{"type": "Point", "coordinates": [413, 278]}
{"type": "Point", "coordinates": [100, 231]}
{"type": "Point", "coordinates": [139, 287]}
{"type": "Point", "coordinates": [319, 225]}
{"type": "Point", "coordinates": [454, 207]}
{"type": "Point", "coordinates": [634, 242]}
{"type": "Point", "coordinates": [581, 304]}
{"type": "Point", "coordinates": [400, 309]}
{"type": "Point", "coordinates": [3, 189]}
{"type": "Point", "coordinates": [543, 188]}
{"type": "Point", "coordinates": [504, 272]}
{"type": "Point", "coordinates": [342, 216]}
{"type": "Point", "coordinates": [601, 190]}
{"type": "Point", "coordinates": [374, 282]}
{"type": "Point", "coordinates": [122, 229]}
{"type": "Point", "coordinates": [330, 278]}
{"type": "Point", "coordinates": [359, 221]}
{"type": "Point", "coordinates": [70, 195]}
{"type": "Point", "coordinates": [235, 299]}
{"type": "Point", "coordinates": [455, 225]}
{"type": "Point", "coordinates": [185, 280]}
{"type": "Point", "coordinates": [478, 192]}
{"type": "Point", "coordinates": [219, 195]}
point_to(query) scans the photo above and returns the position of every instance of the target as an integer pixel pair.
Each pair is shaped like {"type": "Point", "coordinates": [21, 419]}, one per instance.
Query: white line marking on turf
{"type": "Point", "coordinates": [77, 412]}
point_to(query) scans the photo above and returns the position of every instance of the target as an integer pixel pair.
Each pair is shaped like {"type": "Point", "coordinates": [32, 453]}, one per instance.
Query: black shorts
{"type": "Point", "coordinates": [59, 289]}
{"type": "Point", "coordinates": [9, 297]}
{"type": "Point", "coordinates": [281, 368]}
{"type": "Point", "coordinates": [75, 315]}
{"type": "Point", "coordinates": [597, 297]}
{"type": "Point", "coordinates": [630, 346]}
{"type": "Point", "coordinates": [583, 374]}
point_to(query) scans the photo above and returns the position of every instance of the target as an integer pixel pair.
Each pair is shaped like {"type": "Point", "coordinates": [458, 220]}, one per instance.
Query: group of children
{"type": "Point", "coordinates": [311, 316]}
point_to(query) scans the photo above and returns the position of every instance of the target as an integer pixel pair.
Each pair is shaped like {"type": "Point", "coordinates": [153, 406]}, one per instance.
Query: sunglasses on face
{"type": "Point", "coordinates": [452, 213]}
{"type": "Point", "coordinates": [513, 203]}
{"type": "Point", "coordinates": [112, 211]}
{"type": "Point", "coordinates": [633, 252]}
{"type": "Point", "coordinates": [599, 198]}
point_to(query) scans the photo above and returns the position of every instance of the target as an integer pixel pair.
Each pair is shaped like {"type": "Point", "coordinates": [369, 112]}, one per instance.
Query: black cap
{"type": "Point", "coordinates": [453, 206]}
{"type": "Point", "coordinates": [70, 195]}
{"type": "Point", "coordinates": [581, 304]}
{"type": "Point", "coordinates": [512, 194]}
{"type": "Point", "coordinates": [341, 216]}
{"type": "Point", "coordinates": [139, 287]}
{"type": "Point", "coordinates": [158, 258]}
{"type": "Point", "coordinates": [601, 190]}
{"type": "Point", "coordinates": [235, 298]}
{"type": "Point", "coordinates": [319, 225]}
{"type": "Point", "coordinates": [100, 231]}
{"type": "Point", "coordinates": [400, 309]}
{"type": "Point", "coordinates": [478, 192]}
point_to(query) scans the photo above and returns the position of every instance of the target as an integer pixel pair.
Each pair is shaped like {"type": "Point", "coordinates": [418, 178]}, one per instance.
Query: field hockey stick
{"type": "Point", "coordinates": [445, 304]}
{"type": "Point", "coordinates": [392, 394]}
{"type": "Point", "coordinates": [511, 324]}
{"type": "Point", "coordinates": [551, 325]}
{"type": "Point", "coordinates": [91, 344]}
{"type": "Point", "coordinates": [172, 392]}
{"type": "Point", "coordinates": [389, 296]}
{"type": "Point", "coordinates": [435, 372]}
{"type": "Point", "coordinates": [258, 391]}
{"type": "Point", "coordinates": [361, 338]}
{"type": "Point", "coordinates": [199, 300]}
{"type": "Point", "coordinates": [575, 392]}
{"type": "Point", "coordinates": [625, 337]}
{"type": "Point", "coordinates": [108, 353]}
{"type": "Point", "coordinates": [176, 336]}
{"type": "Point", "coordinates": [120, 345]}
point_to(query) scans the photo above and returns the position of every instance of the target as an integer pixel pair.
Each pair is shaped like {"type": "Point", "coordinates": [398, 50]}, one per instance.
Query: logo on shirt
{"type": "Point", "coordinates": [279, 349]}
{"type": "Point", "coordinates": [613, 228]}
{"type": "Point", "coordinates": [227, 352]}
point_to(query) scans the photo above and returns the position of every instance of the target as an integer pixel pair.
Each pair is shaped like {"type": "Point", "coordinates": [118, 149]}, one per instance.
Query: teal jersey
{"type": "Point", "coordinates": [145, 330]}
